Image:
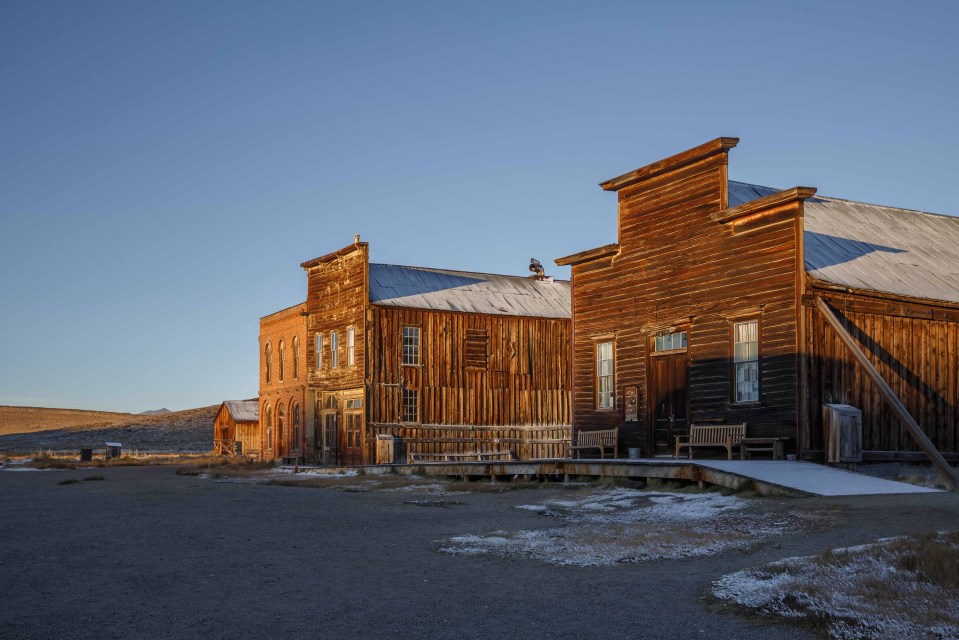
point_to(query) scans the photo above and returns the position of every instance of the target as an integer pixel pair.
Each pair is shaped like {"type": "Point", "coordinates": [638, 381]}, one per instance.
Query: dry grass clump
{"type": "Point", "coordinates": [902, 587]}
{"type": "Point", "coordinates": [94, 478]}
{"type": "Point", "coordinates": [51, 460]}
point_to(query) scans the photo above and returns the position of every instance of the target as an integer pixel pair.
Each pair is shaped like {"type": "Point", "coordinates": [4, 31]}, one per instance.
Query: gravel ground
{"type": "Point", "coordinates": [146, 553]}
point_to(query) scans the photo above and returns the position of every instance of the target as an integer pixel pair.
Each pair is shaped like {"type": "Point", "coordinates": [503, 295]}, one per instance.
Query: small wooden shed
{"type": "Point", "coordinates": [236, 428]}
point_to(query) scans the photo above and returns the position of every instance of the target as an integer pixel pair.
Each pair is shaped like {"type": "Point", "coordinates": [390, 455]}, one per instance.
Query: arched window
{"type": "Point", "coordinates": [268, 360]}
{"type": "Point", "coordinates": [282, 361]}
{"type": "Point", "coordinates": [296, 426]}
{"type": "Point", "coordinates": [268, 424]}
{"type": "Point", "coordinates": [296, 357]}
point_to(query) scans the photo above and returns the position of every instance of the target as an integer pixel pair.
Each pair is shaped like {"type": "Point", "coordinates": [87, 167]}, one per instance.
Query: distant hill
{"type": "Point", "coordinates": [27, 429]}
{"type": "Point", "coordinates": [155, 412]}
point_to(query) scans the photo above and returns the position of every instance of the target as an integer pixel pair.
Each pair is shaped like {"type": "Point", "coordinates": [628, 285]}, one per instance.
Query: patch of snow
{"type": "Point", "coordinates": [859, 591]}
{"type": "Point", "coordinates": [629, 525]}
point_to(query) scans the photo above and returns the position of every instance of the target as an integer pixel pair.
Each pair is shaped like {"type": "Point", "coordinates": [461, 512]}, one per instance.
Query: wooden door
{"type": "Point", "coordinates": [353, 446]}
{"type": "Point", "coordinates": [668, 394]}
{"type": "Point", "coordinates": [331, 421]}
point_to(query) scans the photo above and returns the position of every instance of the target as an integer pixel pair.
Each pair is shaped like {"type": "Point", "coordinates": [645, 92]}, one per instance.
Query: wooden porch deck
{"type": "Point", "coordinates": [765, 477]}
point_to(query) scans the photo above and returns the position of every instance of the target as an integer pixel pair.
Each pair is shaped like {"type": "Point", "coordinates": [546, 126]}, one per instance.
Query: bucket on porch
{"type": "Point", "coordinates": [635, 453]}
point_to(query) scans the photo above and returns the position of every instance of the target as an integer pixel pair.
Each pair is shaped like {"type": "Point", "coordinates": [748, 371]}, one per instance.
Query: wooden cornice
{"type": "Point", "coordinates": [333, 256]}
{"type": "Point", "coordinates": [766, 202]}
{"type": "Point", "coordinates": [719, 145]}
{"type": "Point", "coordinates": [589, 254]}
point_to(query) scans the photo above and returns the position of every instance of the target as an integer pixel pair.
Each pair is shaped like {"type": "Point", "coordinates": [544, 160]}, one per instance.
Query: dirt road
{"type": "Point", "coordinates": [147, 553]}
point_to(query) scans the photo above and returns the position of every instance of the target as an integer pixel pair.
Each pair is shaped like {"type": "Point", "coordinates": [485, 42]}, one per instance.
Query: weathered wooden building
{"type": "Point", "coordinates": [236, 429]}
{"type": "Point", "coordinates": [709, 307]}
{"type": "Point", "coordinates": [455, 363]}
{"type": "Point", "coordinates": [283, 372]}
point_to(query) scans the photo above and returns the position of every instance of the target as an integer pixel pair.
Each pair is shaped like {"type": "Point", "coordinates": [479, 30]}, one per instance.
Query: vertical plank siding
{"type": "Point", "coordinates": [677, 269]}
{"type": "Point", "coordinates": [913, 346]}
{"type": "Point", "coordinates": [525, 381]}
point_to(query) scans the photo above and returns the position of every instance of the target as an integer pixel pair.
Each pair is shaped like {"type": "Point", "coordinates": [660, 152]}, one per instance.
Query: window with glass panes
{"type": "Point", "coordinates": [411, 345]}
{"type": "Point", "coordinates": [670, 342]}
{"type": "Point", "coordinates": [350, 347]}
{"type": "Point", "coordinates": [746, 361]}
{"type": "Point", "coordinates": [411, 405]}
{"type": "Point", "coordinates": [333, 359]}
{"type": "Point", "coordinates": [604, 375]}
{"type": "Point", "coordinates": [318, 350]}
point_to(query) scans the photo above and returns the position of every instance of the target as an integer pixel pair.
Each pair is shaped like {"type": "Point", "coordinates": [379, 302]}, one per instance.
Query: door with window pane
{"type": "Point", "coordinates": [353, 447]}
{"type": "Point", "coordinates": [668, 392]}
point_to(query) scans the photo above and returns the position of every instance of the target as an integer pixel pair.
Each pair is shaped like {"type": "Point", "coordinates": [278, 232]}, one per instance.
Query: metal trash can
{"type": "Point", "coordinates": [86, 455]}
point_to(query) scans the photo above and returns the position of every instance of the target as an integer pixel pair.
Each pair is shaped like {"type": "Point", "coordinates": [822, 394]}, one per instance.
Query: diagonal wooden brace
{"type": "Point", "coordinates": [948, 473]}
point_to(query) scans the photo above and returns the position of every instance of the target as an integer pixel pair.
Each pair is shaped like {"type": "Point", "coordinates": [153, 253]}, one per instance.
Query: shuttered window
{"type": "Point", "coordinates": [746, 361]}
{"type": "Point", "coordinates": [476, 348]}
{"type": "Point", "coordinates": [604, 375]}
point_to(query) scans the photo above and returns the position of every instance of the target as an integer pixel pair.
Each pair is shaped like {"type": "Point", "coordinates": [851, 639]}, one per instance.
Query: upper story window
{"type": "Point", "coordinates": [268, 362]}
{"type": "Point", "coordinates": [350, 346]}
{"type": "Point", "coordinates": [333, 359]}
{"type": "Point", "coordinates": [282, 361]}
{"type": "Point", "coordinates": [477, 349]}
{"type": "Point", "coordinates": [746, 361]}
{"type": "Point", "coordinates": [318, 350]}
{"type": "Point", "coordinates": [296, 357]}
{"type": "Point", "coordinates": [411, 345]}
{"type": "Point", "coordinates": [670, 342]}
{"type": "Point", "coordinates": [605, 396]}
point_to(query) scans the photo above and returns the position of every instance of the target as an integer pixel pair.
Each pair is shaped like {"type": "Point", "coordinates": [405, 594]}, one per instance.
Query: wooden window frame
{"type": "Point", "coordinates": [416, 403]}
{"type": "Point", "coordinates": [318, 350]}
{"type": "Point", "coordinates": [733, 321]}
{"type": "Point", "coordinates": [350, 346]}
{"type": "Point", "coordinates": [334, 347]}
{"type": "Point", "coordinates": [419, 346]}
{"type": "Point", "coordinates": [668, 352]}
{"type": "Point", "coordinates": [597, 343]}
{"type": "Point", "coordinates": [268, 360]}
{"type": "Point", "coordinates": [281, 350]}
{"type": "Point", "coordinates": [296, 357]}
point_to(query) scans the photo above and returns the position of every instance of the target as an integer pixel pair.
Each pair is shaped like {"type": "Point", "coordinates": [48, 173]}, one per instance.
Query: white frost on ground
{"type": "Point", "coordinates": [629, 525]}
{"type": "Point", "coordinates": [333, 473]}
{"type": "Point", "coordinates": [857, 593]}
{"type": "Point", "coordinates": [20, 465]}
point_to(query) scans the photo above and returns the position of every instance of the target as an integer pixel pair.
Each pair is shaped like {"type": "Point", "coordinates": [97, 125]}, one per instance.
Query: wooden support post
{"type": "Point", "coordinates": [948, 473]}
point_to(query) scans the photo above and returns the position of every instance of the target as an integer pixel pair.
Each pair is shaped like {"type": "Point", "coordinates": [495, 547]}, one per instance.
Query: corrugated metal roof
{"type": "Point", "coordinates": [444, 290]}
{"type": "Point", "coordinates": [876, 248]}
{"type": "Point", "coordinates": [243, 410]}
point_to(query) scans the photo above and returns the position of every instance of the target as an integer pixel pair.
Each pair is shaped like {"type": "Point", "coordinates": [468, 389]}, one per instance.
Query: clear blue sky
{"type": "Point", "coordinates": [166, 166]}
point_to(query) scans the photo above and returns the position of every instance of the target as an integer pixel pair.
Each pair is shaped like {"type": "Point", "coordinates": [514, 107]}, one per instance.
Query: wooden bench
{"type": "Point", "coordinates": [726, 436]}
{"type": "Point", "coordinates": [772, 446]}
{"type": "Point", "coordinates": [601, 441]}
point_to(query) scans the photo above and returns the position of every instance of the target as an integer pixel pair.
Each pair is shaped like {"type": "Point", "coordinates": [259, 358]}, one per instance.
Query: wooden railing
{"type": "Point", "coordinates": [437, 440]}
{"type": "Point", "coordinates": [224, 447]}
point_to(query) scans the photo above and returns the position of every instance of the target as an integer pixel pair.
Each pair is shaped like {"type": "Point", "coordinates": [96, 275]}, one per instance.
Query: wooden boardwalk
{"type": "Point", "coordinates": [767, 478]}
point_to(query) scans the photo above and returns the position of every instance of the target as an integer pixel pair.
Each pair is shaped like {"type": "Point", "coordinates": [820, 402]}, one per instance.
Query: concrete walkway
{"type": "Point", "coordinates": [812, 478]}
